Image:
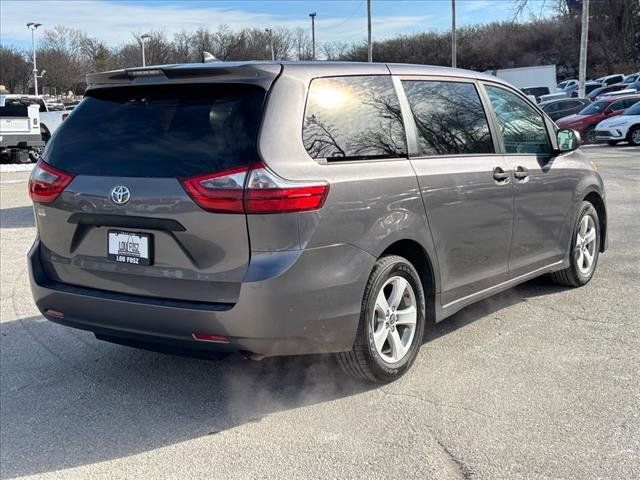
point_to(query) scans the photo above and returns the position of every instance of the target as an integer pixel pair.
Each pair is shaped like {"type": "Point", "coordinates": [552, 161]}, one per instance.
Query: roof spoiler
{"type": "Point", "coordinates": [262, 74]}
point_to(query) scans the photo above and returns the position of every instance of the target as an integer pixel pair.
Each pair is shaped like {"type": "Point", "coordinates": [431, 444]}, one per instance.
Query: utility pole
{"type": "Point", "coordinates": [33, 27]}
{"type": "Point", "coordinates": [453, 34]}
{"type": "Point", "coordinates": [270, 32]}
{"type": "Point", "coordinates": [369, 44]}
{"type": "Point", "coordinates": [142, 39]}
{"type": "Point", "coordinates": [313, 35]}
{"type": "Point", "coordinates": [584, 37]}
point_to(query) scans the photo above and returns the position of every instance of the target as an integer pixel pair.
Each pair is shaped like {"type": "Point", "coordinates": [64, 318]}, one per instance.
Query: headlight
{"type": "Point", "coordinates": [611, 125]}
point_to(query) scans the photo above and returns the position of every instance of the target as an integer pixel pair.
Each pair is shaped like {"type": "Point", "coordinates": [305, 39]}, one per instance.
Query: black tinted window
{"type": "Point", "coordinates": [523, 129]}
{"type": "Point", "coordinates": [349, 118]}
{"type": "Point", "coordinates": [159, 131]}
{"type": "Point", "coordinates": [449, 118]}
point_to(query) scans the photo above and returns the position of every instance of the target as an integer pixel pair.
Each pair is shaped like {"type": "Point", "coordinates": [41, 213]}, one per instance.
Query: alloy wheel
{"type": "Point", "coordinates": [585, 250]}
{"type": "Point", "coordinates": [393, 322]}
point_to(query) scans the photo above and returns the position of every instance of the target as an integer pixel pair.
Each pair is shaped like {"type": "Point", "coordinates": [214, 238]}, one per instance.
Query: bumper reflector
{"type": "Point", "coordinates": [54, 313]}
{"type": "Point", "coordinates": [206, 337]}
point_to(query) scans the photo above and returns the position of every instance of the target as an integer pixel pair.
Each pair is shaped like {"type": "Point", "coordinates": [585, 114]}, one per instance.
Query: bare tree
{"type": "Point", "coordinates": [15, 70]}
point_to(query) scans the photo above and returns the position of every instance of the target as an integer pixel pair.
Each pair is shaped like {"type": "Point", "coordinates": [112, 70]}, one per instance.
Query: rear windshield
{"type": "Point", "coordinates": [159, 131]}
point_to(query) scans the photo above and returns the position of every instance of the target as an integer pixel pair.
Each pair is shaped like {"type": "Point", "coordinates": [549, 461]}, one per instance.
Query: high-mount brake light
{"type": "Point", "coordinates": [46, 183]}
{"type": "Point", "coordinates": [254, 189]}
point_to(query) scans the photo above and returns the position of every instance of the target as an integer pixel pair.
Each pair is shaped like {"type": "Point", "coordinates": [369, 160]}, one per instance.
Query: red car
{"type": "Point", "coordinates": [586, 119]}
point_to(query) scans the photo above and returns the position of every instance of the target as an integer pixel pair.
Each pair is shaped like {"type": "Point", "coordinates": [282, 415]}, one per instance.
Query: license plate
{"type": "Point", "coordinates": [129, 247]}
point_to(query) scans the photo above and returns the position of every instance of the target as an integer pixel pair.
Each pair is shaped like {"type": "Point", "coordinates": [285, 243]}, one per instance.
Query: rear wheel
{"type": "Point", "coordinates": [391, 323]}
{"type": "Point", "coordinates": [585, 247]}
{"type": "Point", "coordinates": [634, 136]}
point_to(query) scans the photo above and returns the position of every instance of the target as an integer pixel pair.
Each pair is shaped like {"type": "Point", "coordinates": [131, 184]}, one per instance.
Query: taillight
{"type": "Point", "coordinates": [218, 192]}
{"type": "Point", "coordinates": [254, 189]}
{"type": "Point", "coordinates": [46, 182]}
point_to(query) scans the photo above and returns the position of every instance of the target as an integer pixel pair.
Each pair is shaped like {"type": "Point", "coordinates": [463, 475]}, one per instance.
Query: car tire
{"type": "Point", "coordinates": [590, 135]}
{"type": "Point", "coordinates": [583, 247]}
{"type": "Point", "coordinates": [633, 137]}
{"type": "Point", "coordinates": [387, 342]}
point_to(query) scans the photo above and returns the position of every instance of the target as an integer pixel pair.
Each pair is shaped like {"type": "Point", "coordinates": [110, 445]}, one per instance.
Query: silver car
{"type": "Point", "coordinates": [294, 208]}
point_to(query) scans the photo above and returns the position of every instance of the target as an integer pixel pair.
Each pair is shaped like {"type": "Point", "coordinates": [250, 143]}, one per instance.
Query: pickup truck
{"type": "Point", "coordinates": [50, 119]}
{"type": "Point", "coordinates": [20, 135]}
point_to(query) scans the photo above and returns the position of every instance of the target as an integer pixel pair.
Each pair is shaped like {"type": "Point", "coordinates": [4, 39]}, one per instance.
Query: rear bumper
{"type": "Point", "coordinates": [312, 306]}
{"type": "Point", "coordinates": [8, 140]}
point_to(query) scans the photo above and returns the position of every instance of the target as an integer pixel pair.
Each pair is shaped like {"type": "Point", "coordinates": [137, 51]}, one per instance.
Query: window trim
{"type": "Point", "coordinates": [325, 160]}
{"type": "Point", "coordinates": [550, 126]}
{"type": "Point", "coordinates": [410, 124]}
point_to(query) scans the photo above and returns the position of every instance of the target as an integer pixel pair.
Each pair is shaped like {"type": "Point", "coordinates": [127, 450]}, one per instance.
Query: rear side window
{"type": "Point", "coordinates": [522, 127]}
{"type": "Point", "coordinates": [353, 118]}
{"type": "Point", "coordinates": [159, 131]}
{"type": "Point", "coordinates": [449, 118]}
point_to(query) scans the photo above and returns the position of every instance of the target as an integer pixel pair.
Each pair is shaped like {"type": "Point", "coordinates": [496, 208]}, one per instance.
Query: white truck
{"type": "Point", "coordinates": [50, 119]}
{"type": "Point", "coordinates": [529, 77]}
{"type": "Point", "coordinates": [20, 135]}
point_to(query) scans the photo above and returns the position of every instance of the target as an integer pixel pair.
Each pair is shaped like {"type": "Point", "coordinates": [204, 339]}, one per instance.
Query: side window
{"type": "Point", "coordinates": [630, 102]}
{"type": "Point", "coordinates": [552, 107]}
{"type": "Point", "coordinates": [522, 127]}
{"type": "Point", "coordinates": [619, 105]}
{"type": "Point", "coordinates": [353, 118]}
{"type": "Point", "coordinates": [449, 117]}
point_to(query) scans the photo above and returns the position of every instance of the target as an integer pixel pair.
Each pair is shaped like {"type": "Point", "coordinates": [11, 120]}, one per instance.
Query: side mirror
{"type": "Point", "coordinates": [608, 112]}
{"type": "Point", "coordinates": [568, 140]}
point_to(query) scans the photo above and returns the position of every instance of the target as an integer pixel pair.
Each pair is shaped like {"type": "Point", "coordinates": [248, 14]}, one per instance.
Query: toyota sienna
{"type": "Point", "coordinates": [292, 208]}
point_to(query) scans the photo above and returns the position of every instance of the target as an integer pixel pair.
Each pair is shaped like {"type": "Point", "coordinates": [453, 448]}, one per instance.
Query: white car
{"type": "Point", "coordinates": [624, 127]}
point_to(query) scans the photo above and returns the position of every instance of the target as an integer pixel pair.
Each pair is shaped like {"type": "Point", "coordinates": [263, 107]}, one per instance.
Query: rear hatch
{"type": "Point", "coordinates": [125, 221]}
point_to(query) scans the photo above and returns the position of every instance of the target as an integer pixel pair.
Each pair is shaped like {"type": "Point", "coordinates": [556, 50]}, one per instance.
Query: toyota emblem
{"type": "Point", "coordinates": [120, 194]}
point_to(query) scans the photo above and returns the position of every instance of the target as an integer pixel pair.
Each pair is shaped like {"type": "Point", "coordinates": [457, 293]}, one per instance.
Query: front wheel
{"type": "Point", "coordinates": [590, 135]}
{"type": "Point", "coordinates": [585, 247]}
{"type": "Point", "coordinates": [391, 323]}
{"type": "Point", "coordinates": [634, 136]}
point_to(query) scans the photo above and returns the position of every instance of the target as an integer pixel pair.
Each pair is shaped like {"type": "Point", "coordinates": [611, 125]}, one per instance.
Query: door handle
{"type": "Point", "coordinates": [500, 175]}
{"type": "Point", "coordinates": [520, 172]}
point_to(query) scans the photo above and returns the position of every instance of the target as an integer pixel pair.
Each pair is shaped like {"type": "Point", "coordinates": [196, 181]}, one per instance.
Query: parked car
{"type": "Point", "coordinates": [536, 92]}
{"type": "Point", "coordinates": [632, 77]}
{"type": "Point", "coordinates": [625, 127]}
{"type": "Point", "coordinates": [611, 79]}
{"type": "Point", "coordinates": [610, 88]}
{"type": "Point", "coordinates": [554, 96]}
{"type": "Point", "coordinates": [561, 108]}
{"type": "Point", "coordinates": [588, 88]}
{"type": "Point", "coordinates": [20, 137]}
{"type": "Point", "coordinates": [586, 120]}
{"type": "Point", "coordinates": [566, 83]}
{"type": "Point", "coordinates": [616, 93]}
{"type": "Point", "coordinates": [281, 209]}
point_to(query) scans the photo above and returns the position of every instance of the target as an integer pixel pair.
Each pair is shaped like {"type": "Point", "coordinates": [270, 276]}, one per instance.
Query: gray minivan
{"type": "Point", "coordinates": [288, 208]}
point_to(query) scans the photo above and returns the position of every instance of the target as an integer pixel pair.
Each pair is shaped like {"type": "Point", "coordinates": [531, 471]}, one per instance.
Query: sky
{"type": "Point", "coordinates": [115, 21]}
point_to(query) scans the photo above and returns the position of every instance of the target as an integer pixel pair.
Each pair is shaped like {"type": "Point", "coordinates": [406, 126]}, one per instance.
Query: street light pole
{"type": "Point", "coordinates": [33, 27]}
{"type": "Point", "coordinates": [313, 35]}
{"type": "Point", "coordinates": [142, 39]}
{"type": "Point", "coordinates": [454, 53]}
{"type": "Point", "coordinates": [584, 36]}
{"type": "Point", "coordinates": [369, 44]}
{"type": "Point", "coordinates": [270, 32]}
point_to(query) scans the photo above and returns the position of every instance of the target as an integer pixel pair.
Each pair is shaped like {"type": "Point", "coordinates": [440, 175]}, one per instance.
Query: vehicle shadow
{"type": "Point", "coordinates": [68, 400]}
{"type": "Point", "coordinates": [537, 287]}
{"type": "Point", "coordinates": [17, 217]}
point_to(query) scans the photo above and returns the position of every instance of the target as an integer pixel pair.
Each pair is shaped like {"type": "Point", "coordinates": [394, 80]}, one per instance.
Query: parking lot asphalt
{"type": "Point", "coordinates": [537, 382]}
